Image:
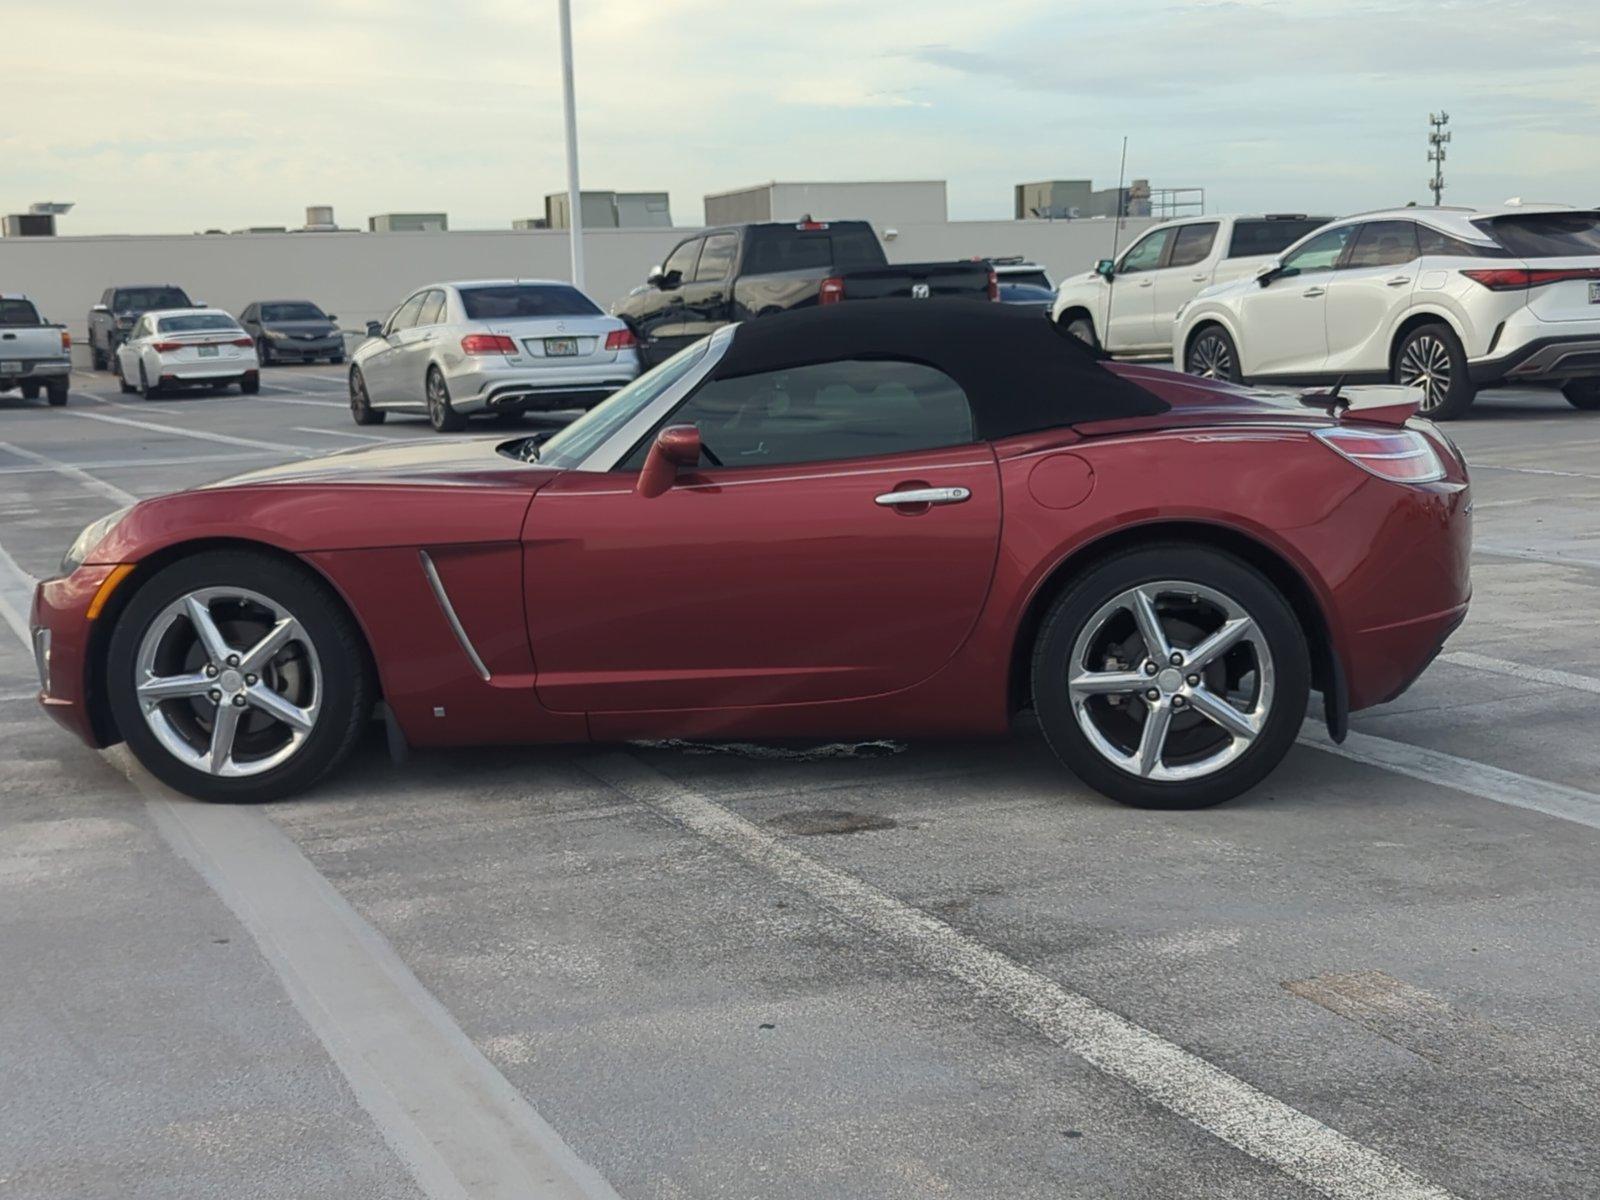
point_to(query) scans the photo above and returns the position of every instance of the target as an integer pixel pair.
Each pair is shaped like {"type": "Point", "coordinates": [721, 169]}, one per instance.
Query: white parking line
{"type": "Point", "coordinates": [1516, 670]}
{"type": "Point", "coordinates": [339, 433]}
{"type": "Point", "coordinates": [1223, 1105]}
{"type": "Point", "coordinates": [1462, 775]}
{"type": "Point", "coordinates": [132, 463]}
{"type": "Point", "coordinates": [16, 597]}
{"type": "Point", "coordinates": [200, 434]}
{"type": "Point", "coordinates": [1559, 560]}
{"type": "Point", "coordinates": [293, 400]}
{"type": "Point", "coordinates": [77, 474]}
{"type": "Point", "coordinates": [1483, 466]}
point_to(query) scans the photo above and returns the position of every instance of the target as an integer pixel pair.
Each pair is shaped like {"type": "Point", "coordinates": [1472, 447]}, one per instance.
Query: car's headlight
{"type": "Point", "coordinates": [91, 537]}
{"type": "Point", "coordinates": [276, 335]}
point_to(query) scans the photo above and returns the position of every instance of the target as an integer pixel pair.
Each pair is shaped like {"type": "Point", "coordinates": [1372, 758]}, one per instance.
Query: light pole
{"type": "Point", "coordinates": [569, 108]}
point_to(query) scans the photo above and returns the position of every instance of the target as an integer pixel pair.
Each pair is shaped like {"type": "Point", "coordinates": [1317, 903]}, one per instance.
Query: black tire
{"type": "Point", "coordinates": [98, 360]}
{"type": "Point", "coordinates": [29, 389]}
{"type": "Point", "coordinates": [145, 389]}
{"type": "Point", "coordinates": [1211, 354]}
{"type": "Point", "coordinates": [1431, 357]}
{"type": "Point", "coordinates": [1582, 393]}
{"type": "Point", "coordinates": [336, 360]}
{"type": "Point", "coordinates": [361, 404]}
{"type": "Point", "coordinates": [250, 385]}
{"type": "Point", "coordinates": [1088, 594]}
{"type": "Point", "coordinates": [55, 393]}
{"type": "Point", "coordinates": [347, 692]}
{"type": "Point", "coordinates": [263, 351]}
{"type": "Point", "coordinates": [440, 415]}
{"type": "Point", "coordinates": [122, 384]}
{"type": "Point", "coordinates": [1082, 328]}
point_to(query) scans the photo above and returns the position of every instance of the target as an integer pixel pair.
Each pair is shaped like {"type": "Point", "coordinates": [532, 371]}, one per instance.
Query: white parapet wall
{"type": "Point", "coordinates": [362, 276]}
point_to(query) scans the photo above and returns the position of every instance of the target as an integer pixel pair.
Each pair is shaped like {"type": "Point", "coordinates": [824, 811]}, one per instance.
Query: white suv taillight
{"type": "Point", "coordinates": [1398, 455]}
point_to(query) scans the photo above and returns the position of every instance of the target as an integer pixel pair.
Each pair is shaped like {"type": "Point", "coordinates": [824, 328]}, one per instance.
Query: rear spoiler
{"type": "Point", "coordinates": [1385, 405]}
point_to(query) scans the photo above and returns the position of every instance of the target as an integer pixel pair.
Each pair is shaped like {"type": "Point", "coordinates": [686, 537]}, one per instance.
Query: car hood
{"type": "Point", "coordinates": [423, 461]}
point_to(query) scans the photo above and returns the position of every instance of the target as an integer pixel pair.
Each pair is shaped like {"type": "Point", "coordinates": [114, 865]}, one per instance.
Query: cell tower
{"type": "Point", "coordinates": [1437, 139]}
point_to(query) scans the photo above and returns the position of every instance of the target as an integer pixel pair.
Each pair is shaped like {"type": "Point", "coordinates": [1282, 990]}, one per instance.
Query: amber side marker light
{"type": "Point", "coordinates": [107, 586]}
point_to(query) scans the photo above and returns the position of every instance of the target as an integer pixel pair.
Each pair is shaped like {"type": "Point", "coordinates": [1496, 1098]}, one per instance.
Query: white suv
{"type": "Point", "coordinates": [1446, 299]}
{"type": "Point", "coordinates": [1126, 307]}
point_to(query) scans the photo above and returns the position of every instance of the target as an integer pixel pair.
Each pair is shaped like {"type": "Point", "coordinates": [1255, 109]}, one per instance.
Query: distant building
{"type": "Point", "coordinates": [1078, 199]}
{"type": "Point", "coordinates": [887, 203]}
{"type": "Point", "coordinates": [28, 225]}
{"type": "Point", "coordinates": [415, 222]}
{"type": "Point", "coordinates": [611, 210]}
{"type": "Point", "coordinates": [531, 223]}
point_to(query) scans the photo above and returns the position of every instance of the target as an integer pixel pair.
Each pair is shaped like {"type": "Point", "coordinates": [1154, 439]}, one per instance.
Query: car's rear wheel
{"type": "Point", "coordinates": [360, 403]}
{"type": "Point", "coordinates": [440, 415]}
{"type": "Point", "coordinates": [1171, 677]}
{"type": "Point", "coordinates": [237, 693]}
{"type": "Point", "coordinates": [1212, 355]}
{"type": "Point", "coordinates": [250, 385]}
{"type": "Point", "coordinates": [116, 369]}
{"type": "Point", "coordinates": [1582, 393]}
{"type": "Point", "coordinates": [147, 390]}
{"type": "Point", "coordinates": [97, 360]}
{"type": "Point", "coordinates": [1430, 357]}
{"type": "Point", "coordinates": [55, 393]}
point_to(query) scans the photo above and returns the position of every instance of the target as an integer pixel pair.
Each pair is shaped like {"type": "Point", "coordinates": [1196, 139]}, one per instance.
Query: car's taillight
{"type": "Point", "coordinates": [488, 343]}
{"type": "Point", "coordinates": [1515, 279]}
{"type": "Point", "coordinates": [167, 347]}
{"type": "Point", "coordinates": [1398, 455]}
{"type": "Point", "coordinates": [66, 340]}
{"type": "Point", "coordinates": [621, 339]}
{"type": "Point", "coordinates": [994, 285]}
{"type": "Point", "coordinates": [830, 290]}
{"type": "Point", "coordinates": [244, 341]}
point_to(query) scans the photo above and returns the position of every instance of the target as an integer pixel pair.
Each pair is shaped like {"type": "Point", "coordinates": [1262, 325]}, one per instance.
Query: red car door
{"type": "Point", "coordinates": [777, 583]}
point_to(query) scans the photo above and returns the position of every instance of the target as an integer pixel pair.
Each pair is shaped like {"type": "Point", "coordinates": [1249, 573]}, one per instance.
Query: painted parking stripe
{"type": "Point", "coordinates": [69, 471]}
{"type": "Point", "coordinates": [341, 433]}
{"type": "Point", "coordinates": [1559, 560]}
{"type": "Point", "coordinates": [135, 463]}
{"type": "Point", "coordinates": [299, 399]}
{"type": "Point", "coordinates": [1516, 670]}
{"type": "Point", "coordinates": [1224, 1105]}
{"type": "Point", "coordinates": [200, 434]}
{"type": "Point", "coordinates": [460, 1127]}
{"type": "Point", "coordinates": [1462, 775]}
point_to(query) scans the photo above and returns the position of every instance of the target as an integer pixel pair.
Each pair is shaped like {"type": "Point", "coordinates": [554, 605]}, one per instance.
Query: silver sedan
{"type": "Point", "coordinates": [453, 350]}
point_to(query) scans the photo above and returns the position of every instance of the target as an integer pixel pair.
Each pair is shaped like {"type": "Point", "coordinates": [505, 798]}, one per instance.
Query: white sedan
{"type": "Point", "coordinates": [186, 347]}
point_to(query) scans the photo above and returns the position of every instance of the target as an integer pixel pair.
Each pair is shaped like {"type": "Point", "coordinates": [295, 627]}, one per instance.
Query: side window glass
{"type": "Point", "coordinates": [1321, 253]}
{"type": "Point", "coordinates": [825, 411]}
{"type": "Point", "coordinates": [1192, 244]}
{"type": "Point", "coordinates": [1383, 244]}
{"type": "Point", "coordinates": [682, 260]}
{"type": "Point", "coordinates": [1435, 242]}
{"type": "Point", "coordinates": [406, 315]}
{"type": "Point", "coordinates": [717, 258]}
{"type": "Point", "coordinates": [1145, 254]}
{"type": "Point", "coordinates": [432, 308]}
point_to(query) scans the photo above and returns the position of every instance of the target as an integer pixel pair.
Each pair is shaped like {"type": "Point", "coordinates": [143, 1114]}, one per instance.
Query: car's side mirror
{"type": "Point", "coordinates": [332, 318]}
{"type": "Point", "coordinates": [675, 446]}
{"type": "Point", "coordinates": [1106, 269]}
{"type": "Point", "coordinates": [1268, 272]}
{"type": "Point", "coordinates": [374, 329]}
{"type": "Point", "coordinates": [101, 308]}
{"type": "Point", "coordinates": [654, 276]}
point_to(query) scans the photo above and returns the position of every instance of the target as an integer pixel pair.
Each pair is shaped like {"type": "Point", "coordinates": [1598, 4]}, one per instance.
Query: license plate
{"type": "Point", "coordinates": [10, 368]}
{"type": "Point", "coordinates": [208, 351]}
{"type": "Point", "coordinates": [1594, 291]}
{"type": "Point", "coordinates": [560, 347]}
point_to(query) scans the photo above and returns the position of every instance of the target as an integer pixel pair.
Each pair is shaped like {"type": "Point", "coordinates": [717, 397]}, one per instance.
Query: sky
{"type": "Point", "coordinates": [169, 116]}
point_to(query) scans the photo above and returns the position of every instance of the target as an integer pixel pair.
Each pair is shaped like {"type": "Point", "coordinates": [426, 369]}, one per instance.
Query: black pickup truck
{"type": "Point", "coordinates": [743, 271]}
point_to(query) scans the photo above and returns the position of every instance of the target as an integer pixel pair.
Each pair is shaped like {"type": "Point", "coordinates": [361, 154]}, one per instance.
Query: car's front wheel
{"type": "Point", "coordinates": [1582, 393]}
{"type": "Point", "coordinates": [1082, 328]}
{"type": "Point", "coordinates": [1212, 355]}
{"type": "Point", "coordinates": [237, 677]}
{"type": "Point", "coordinates": [1171, 677]}
{"type": "Point", "coordinates": [1430, 357]}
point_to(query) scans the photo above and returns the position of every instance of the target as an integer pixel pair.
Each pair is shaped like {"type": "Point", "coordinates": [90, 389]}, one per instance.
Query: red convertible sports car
{"type": "Point", "coordinates": [897, 519]}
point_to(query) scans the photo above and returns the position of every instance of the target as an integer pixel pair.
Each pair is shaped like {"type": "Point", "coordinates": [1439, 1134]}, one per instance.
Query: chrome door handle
{"type": "Point", "coordinates": [1147, 283]}
{"type": "Point", "coordinates": [940, 495]}
{"type": "Point", "coordinates": [1197, 279]}
{"type": "Point", "coordinates": [1398, 281]}
{"type": "Point", "coordinates": [1313, 291]}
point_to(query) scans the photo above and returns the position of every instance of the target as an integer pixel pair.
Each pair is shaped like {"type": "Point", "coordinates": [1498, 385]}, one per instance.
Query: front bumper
{"type": "Point", "coordinates": [62, 637]}
{"type": "Point", "coordinates": [479, 387]}
{"type": "Point", "coordinates": [305, 347]}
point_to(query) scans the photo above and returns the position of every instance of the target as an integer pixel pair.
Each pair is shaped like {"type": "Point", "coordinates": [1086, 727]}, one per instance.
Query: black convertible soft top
{"type": "Point", "coordinates": [1019, 371]}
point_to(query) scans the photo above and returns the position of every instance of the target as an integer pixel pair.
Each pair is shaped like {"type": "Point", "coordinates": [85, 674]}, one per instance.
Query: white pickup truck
{"type": "Point", "coordinates": [35, 356]}
{"type": "Point", "coordinates": [1127, 306]}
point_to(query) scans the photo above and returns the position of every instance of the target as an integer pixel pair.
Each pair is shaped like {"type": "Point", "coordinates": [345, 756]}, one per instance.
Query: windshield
{"type": "Point", "coordinates": [526, 300]}
{"type": "Point", "coordinates": [144, 299]}
{"type": "Point", "coordinates": [1547, 235]}
{"type": "Point", "coordinates": [298, 310]}
{"type": "Point", "coordinates": [18, 312]}
{"type": "Point", "coordinates": [572, 445]}
{"type": "Point", "coordinates": [197, 323]}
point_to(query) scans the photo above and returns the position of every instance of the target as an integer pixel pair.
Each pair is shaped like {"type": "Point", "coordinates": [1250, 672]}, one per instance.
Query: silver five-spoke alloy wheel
{"type": "Point", "coordinates": [1425, 363]}
{"type": "Point", "coordinates": [228, 681]}
{"type": "Point", "coordinates": [1171, 681]}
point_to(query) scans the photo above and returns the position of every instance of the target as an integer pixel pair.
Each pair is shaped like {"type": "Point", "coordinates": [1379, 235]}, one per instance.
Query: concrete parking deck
{"type": "Point", "coordinates": [901, 971]}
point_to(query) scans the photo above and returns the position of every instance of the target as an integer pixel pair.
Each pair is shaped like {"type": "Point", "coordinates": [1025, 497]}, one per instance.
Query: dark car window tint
{"type": "Point", "coordinates": [1433, 241]}
{"type": "Point", "coordinates": [526, 300]}
{"type": "Point", "coordinates": [1262, 237]}
{"type": "Point", "coordinates": [1193, 244]}
{"type": "Point", "coordinates": [406, 317]}
{"type": "Point", "coordinates": [1321, 253]}
{"type": "Point", "coordinates": [195, 323]}
{"type": "Point", "coordinates": [1146, 253]}
{"type": "Point", "coordinates": [717, 258]}
{"type": "Point", "coordinates": [1029, 278]}
{"type": "Point", "coordinates": [682, 260]}
{"type": "Point", "coordinates": [851, 409]}
{"type": "Point", "coordinates": [1547, 235]}
{"type": "Point", "coordinates": [18, 312]}
{"type": "Point", "coordinates": [291, 312]}
{"type": "Point", "coordinates": [432, 310]}
{"type": "Point", "coordinates": [1384, 244]}
{"type": "Point", "coordinates": [141, 299]}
